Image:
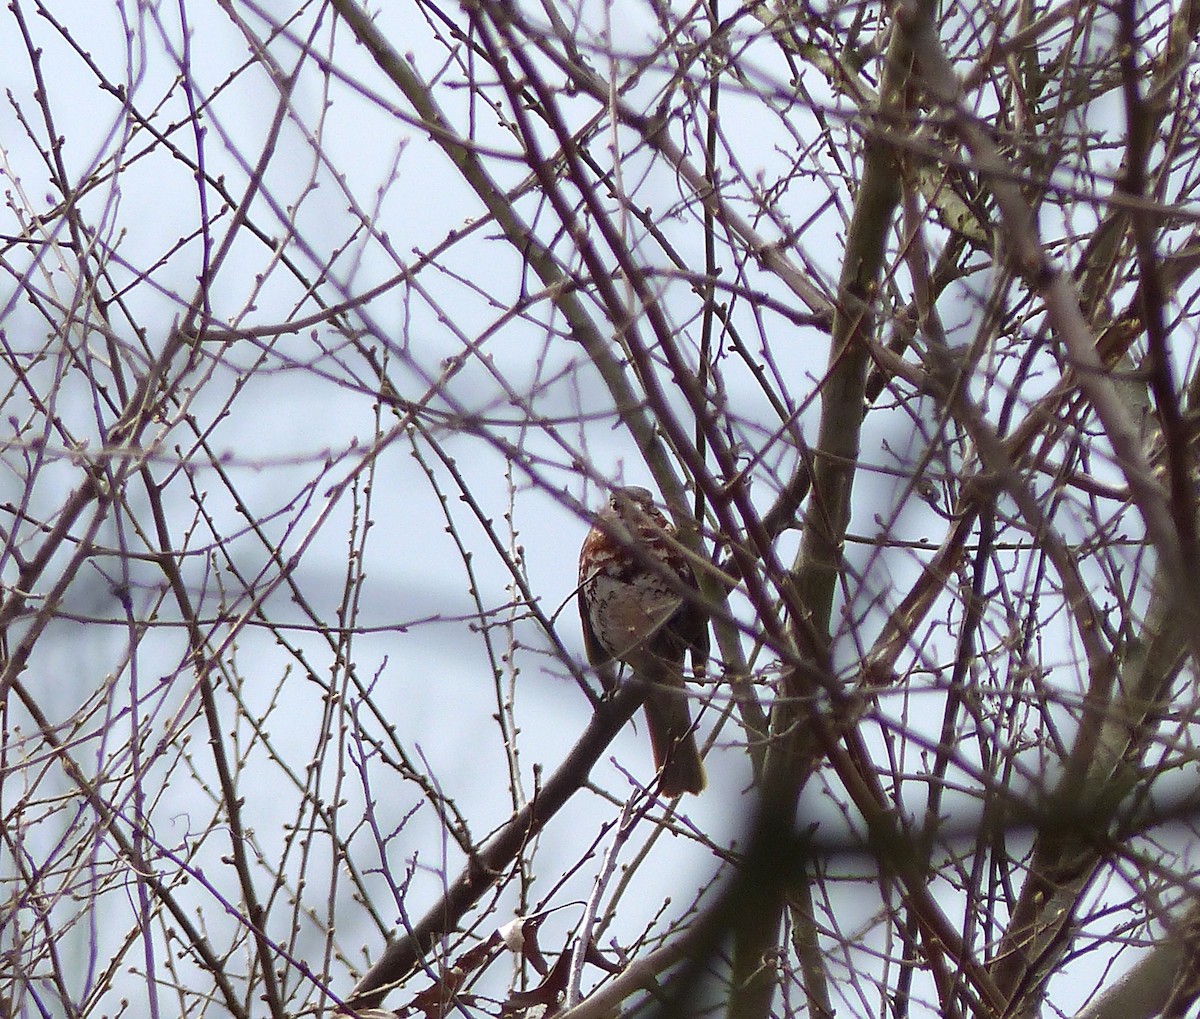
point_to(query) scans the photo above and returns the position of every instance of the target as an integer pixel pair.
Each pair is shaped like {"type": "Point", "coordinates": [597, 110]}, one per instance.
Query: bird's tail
{"type": "Point", "coordinates": [676, 755]}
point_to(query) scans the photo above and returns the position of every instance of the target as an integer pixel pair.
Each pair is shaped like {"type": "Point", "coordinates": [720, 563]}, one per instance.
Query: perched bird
{"type": "Point", "coordinates": [633, 613]}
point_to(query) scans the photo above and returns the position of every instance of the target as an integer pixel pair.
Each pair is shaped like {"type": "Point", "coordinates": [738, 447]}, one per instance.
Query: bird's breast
{"type": "Point", "coordinates": [626, 610]}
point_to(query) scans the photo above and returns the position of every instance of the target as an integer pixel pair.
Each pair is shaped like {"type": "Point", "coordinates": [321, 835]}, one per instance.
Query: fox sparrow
{"type": "Point", "coordinates": [633, 613]}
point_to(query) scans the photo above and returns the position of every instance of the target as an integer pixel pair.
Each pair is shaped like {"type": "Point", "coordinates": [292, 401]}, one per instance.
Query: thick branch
{"type": "Point", "coordinates": [492, 862]}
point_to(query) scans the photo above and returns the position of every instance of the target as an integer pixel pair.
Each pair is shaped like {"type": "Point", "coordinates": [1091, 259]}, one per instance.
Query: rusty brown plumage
{"type": "Point", "coordinates": [633, 613]}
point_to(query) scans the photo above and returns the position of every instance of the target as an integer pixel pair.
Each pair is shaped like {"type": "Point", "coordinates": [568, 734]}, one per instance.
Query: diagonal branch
{"type": "Point", "coordinates": [492, 861]}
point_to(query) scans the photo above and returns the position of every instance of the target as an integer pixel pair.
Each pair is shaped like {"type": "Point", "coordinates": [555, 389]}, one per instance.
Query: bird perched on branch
{"type": "Point", "coordinates": [632, 602]}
